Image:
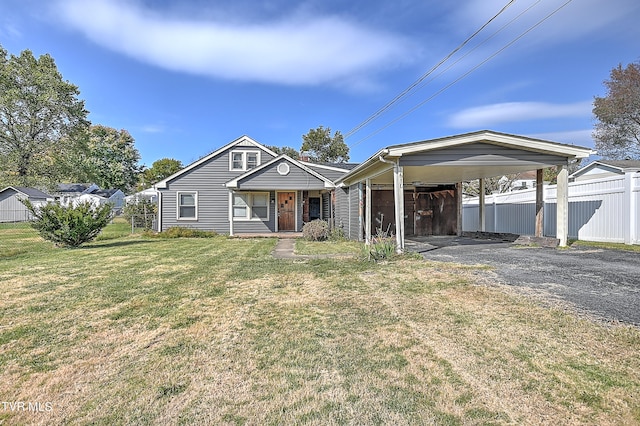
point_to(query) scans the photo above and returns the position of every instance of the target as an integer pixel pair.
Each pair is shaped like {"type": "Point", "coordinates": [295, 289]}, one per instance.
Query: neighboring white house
{"type": "Point", "coordinates": [77, 193]}
{"type": "Point", "coordinates": [100, 197]}
{"type": "Point", "coordinates": [12, 210]}
{"type": "Point", "coordinates": [606, 168]}
{"type": "Point", "coordinates": [149, 194]}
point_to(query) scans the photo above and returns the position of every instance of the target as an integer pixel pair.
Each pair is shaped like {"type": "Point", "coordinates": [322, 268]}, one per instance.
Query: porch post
{"type": "Point", "coordinates": [562, 220]}
{"type": "Point", "coordinates": [367, 201]}
{"type": "Point", "coordinates": [360, 211]}
{"type": "Point", "coordinates": [539, 204]}
{"type": "Point", "coordinates": [481, 205]}
{"type": "Point", "coordinates": [230, 212]}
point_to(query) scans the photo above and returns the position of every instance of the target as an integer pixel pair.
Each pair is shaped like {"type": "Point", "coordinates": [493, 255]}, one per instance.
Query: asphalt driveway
{"type": "Point", "coordinates": [599, 282]}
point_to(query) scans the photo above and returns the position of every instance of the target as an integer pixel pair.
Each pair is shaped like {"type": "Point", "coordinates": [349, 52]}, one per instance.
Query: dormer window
{"type": "Point", "coordinates": [244, 160]}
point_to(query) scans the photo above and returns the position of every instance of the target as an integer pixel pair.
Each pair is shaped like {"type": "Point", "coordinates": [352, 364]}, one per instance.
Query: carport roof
{"type": "Point", "coordinates": [517, 148]}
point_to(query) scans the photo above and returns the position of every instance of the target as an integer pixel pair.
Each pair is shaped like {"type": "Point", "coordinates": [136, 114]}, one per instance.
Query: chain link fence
{"type": "Point", "coordinates": [142, 222]}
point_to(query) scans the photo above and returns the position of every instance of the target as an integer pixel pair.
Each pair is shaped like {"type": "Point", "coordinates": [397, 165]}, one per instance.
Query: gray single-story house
{"type": "Point", "coordinates": [408, 189]}
{"type": "Point", "coordinates": [244, 187]}
{"type": "Point", "coordinates": [11, 208]}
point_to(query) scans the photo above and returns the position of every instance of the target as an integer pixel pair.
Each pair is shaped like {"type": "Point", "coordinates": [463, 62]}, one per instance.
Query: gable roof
{"type": "Point", "coordinates": [106, 193]}
{"type": "Point", "coordinates": [72, 187]}
{"type": "Point", "coordinates": [612, 166]}
{"type": "Point", "coordinates": [29, 192]}
{"type": "Point", "coordinates": [233, 183]}
{"type": "Point", "coordinates": [505, 140]}
{"type": "Point", "coordinates": [243, 139]}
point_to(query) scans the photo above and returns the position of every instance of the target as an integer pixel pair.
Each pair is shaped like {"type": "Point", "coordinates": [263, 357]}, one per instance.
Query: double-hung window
{"type": "Point", "coordinates": [244, 160]}
{"type": "Point", "coordinates": [187, 205]}
{"type": "Point", "coordinates": [251, 206]}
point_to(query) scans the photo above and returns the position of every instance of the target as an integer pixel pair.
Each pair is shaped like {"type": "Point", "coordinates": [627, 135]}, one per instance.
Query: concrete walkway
{"type": "Point", "coordinates": [284, 249]}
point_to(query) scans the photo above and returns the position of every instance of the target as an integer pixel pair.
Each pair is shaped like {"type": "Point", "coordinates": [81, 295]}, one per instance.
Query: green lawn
{"type": "Point", "coordinates": [137, 330]}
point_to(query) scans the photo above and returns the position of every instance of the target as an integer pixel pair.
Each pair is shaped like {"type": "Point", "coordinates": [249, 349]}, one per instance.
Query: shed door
{"type": "Point", "coordinates": [286, 211]}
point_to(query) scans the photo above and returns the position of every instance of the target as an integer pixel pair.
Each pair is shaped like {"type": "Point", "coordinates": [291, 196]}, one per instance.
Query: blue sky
{"type": "Point", "coordinates": [186, 77]}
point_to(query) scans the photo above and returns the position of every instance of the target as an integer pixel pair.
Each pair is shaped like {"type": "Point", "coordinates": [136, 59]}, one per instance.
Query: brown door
{"type": "Point", "coordinates": [286, 211]}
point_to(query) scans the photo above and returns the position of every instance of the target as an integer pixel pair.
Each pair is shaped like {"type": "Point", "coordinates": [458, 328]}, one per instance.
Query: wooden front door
{"type": "Point", "coordinates": [286, 211]}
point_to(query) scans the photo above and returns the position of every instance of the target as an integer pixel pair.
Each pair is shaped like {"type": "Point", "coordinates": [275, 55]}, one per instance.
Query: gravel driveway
{"type": "Point", "coordinates": [600, 282]}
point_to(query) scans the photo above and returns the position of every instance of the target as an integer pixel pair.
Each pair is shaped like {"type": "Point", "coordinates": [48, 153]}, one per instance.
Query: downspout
{"type": "Point", "coordinates": [399, 199]}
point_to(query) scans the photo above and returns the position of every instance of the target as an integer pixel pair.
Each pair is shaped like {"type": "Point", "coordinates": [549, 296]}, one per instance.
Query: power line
{"type": "Point", "coordinates": [463, 76]}
{"type": "Point", "coordinates": [425, 75]}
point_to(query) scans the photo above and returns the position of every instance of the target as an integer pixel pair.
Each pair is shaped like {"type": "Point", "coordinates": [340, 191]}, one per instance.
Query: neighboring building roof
{"type": "Point", "coordinates": [106, 193]}
{"type": "Point", "coordinates": [243, 139]}
{"type": "Point", "coordinates": [29, 192]}
{"type": "Point", "coordinates": [72, 187]}
{"type": "Point", "coordinates": [622, 164]}
{"type": "Point", "coordinates": [612, 167]}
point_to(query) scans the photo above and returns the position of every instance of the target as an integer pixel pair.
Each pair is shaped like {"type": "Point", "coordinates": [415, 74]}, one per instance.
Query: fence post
{"type": "Point", "coordinates": [629, 213]}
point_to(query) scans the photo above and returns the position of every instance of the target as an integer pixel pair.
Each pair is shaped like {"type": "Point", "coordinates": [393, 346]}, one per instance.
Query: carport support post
{"type": "Point", "coordinates": [562, 219]}
{"type": "Point", "coordinates": [367, 204]}
{"type": "Point", "coordinates": [481, 205]}
{"type": "Point", "coordinates": [398, 198]}
{"type": "Point", "coordinates": [539, 204]}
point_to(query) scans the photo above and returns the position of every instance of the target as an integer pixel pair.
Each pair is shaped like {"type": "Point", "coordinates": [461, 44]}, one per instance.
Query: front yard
{"type": "Point", "coordinates": [135, 330]}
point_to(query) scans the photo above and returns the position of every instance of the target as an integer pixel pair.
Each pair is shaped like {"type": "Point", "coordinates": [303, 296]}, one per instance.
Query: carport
{"type": "Point", "coordinates": [420, 183]}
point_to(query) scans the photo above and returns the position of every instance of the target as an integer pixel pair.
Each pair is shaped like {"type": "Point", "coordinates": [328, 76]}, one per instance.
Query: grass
{"type": "Point", "coordinates": [305, 247]}
{"type": "Point", "coordinates": [611, 246]}
{"type": "Point", "coordinates": [135, 330]}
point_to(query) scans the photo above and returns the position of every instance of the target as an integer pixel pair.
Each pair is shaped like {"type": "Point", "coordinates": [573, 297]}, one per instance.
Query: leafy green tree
{"type": "Point", "coordinates": [40, 120]}
{"type": "Point", "coordinates": [320, 146]}
{"type": "Point", "coordinates": [286, 150]}
{"type": "Point", "coordinates": [69, 226]}
{"type": "Point", "coordinates": [617, 130]}
{"type": "Point", "coordinates": [160, 169]}
{"type": "Point", "coordinates": [112, 159]}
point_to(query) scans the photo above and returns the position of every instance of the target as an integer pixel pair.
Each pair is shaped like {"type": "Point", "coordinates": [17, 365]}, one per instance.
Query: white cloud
{"type": "Point", "coordinates": [489, 115]}
{"type": "Point", "coordinates": [298, 50]}
{"type": "Point", "coordinates": [152, 128]}
{"type": "Point", "coordinates": [571, 22]}
{"type": "Point", "coordinates": [571, 137]}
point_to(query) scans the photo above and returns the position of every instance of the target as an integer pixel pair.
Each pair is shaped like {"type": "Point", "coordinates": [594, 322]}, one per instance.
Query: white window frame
{"type": "Point", "coordinates": [249, 206]}
{"type": "Point", "coordinates": [244, 160]}
{"type": "Point", "coordinates": [178, 194]}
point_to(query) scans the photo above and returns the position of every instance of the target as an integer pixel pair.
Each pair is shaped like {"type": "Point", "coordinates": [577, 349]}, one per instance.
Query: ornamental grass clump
{"type": "Point", "coordinates": [69, 226]}
{"type": "Point", "coordinates": [382, 247]}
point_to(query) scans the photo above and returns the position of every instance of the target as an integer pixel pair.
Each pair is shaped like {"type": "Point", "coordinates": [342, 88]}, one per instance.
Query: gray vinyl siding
{"type": "Point", "coordinates": [269, 178]}
{"type": "Point", "coordinates": [354, 218]}
{"type": "Point", "coordinates": [342, 209]}
{"type": "Point", "coordinates": [326, 208]}
{"type": "Point", "coordinates": [11, 209]}
{"type": "Point", "coordinates": [208, 181]}
{"type": "Point", "coordinates": [480, 154]}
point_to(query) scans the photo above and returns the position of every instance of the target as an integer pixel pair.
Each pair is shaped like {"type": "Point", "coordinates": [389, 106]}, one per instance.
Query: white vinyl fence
{"type": "Point", "coordinates": [605, 209]}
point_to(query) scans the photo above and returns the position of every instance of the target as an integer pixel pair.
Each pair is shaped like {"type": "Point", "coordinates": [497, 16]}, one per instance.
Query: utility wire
{"type": "Point", "coordinates": [424, 83]}
{"type": "Point", "coordinates": [425, 75]}
{"type": "Point", "coordinates": [463, 76]}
